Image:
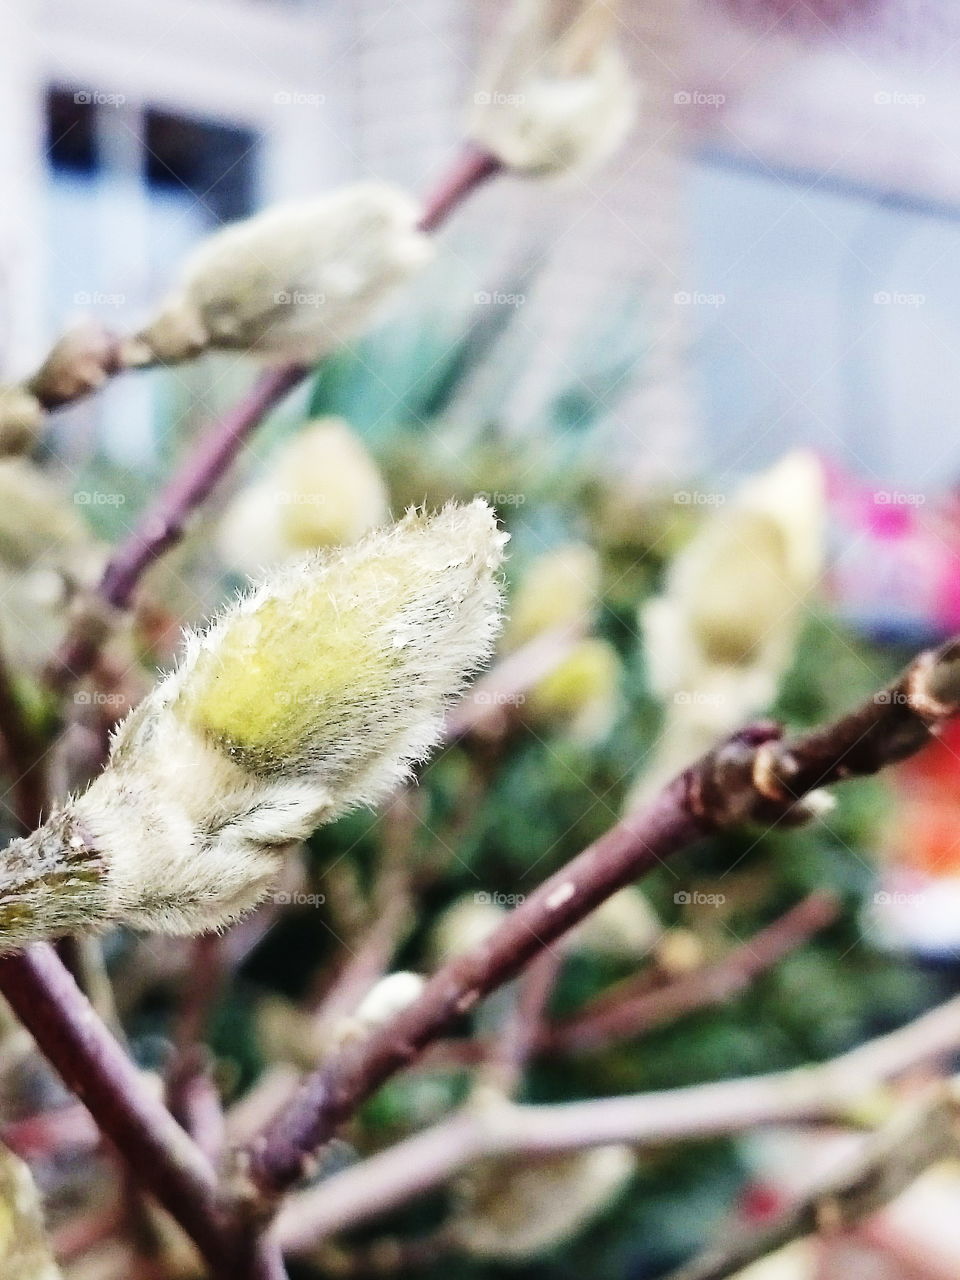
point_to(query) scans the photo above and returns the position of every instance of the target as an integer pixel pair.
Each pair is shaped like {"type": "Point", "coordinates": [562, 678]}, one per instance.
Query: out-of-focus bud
{"type": "Point", "coordinates": [312, 695]}
{"type": "Point", "coordinates": [465, 924]}
{"type": "Point", "coordinates": [556, 93]}
{"type": "Point", "coordinates": [25, 1252]}
{"type": "Point", "coordinates": [79, 364]}
{"type": "Point", "coordinates": [292, 283]}
{"type": "Point", "coordinates": [46, 553]}
{"type": "Point", "coordinates": [625, 926]}
{"type": "Point", "coordinates": [518, 1209]}
{"type": "Point", "coordinates": [581, 697]}
{"type": "Point", "coordinates": [388, 997]}
{"type": "Point", "coordinates": [321, 490]}
{"type": "Point", "coordinates": [680, 951]}
{"type": "Point", "coordinates": [721, 636]}
{"type": "Point", "coordinates": [21, 417]}
{"type": "Point", "coordinates": [560, 588]}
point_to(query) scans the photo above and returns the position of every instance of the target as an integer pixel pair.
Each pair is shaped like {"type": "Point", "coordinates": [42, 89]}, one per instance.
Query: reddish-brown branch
{"type": "Point", "coordinates": [94, 1067]}
{"type": "Point", "coordinates": [608, 1022]}
{"type": "Point", "coordinates": [472, 170]}
{"type": "Point", "coordinates": [755, 776]}
{"type": "Point", "coordinates": [823, 1092]}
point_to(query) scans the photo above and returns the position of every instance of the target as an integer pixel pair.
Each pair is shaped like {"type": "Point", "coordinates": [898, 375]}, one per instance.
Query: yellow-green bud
{"type": "Point", "coordinates": [315, 693]}
{"type": "Point", "coordinates": [25, 1251]}
{"type": "Point", "coordinates": [518, 1209]}
{"type": "Point", "coordinates": [322, 489]}
{"type": "Point", "coordinates": [559, 589]}
{"type": "Point", "coordinates": [556, 93]}
{"type": "Point", "coordinates": [293, 282]}
{"type": "Point", "coordinates": [582, 696]}
{"type": "Point", "coordinates": [21, 416]}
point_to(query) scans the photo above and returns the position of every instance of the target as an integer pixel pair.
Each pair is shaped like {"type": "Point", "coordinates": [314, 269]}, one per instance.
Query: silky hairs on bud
{"type": "Point", "coordinates": [322, 489]}
{"type": "Point", "coordinates": [293, 282]}
{"type": "Point", "coordinates": [556, 93]}
{"type": "Point", "coordinates": [315, 693]}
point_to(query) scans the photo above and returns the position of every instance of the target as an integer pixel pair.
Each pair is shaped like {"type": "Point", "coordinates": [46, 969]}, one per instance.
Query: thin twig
{"type": "Point", "coordinates": [824, 1092]}
{"type": "Point", "coordinates": [610, 1022]}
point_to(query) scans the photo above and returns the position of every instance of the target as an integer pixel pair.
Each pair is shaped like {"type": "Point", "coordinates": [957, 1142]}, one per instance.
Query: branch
{"type": "Point", "coordinates": [827, 1091]}
{"type": "Point", "coordinates": [94, 1067]}
{"type": "Point", "coordinates": [755, 776]}
{"type": "Point", "coordinates": [605, 1021]}
{"type": "Point", "coordinates": [890, 1160]}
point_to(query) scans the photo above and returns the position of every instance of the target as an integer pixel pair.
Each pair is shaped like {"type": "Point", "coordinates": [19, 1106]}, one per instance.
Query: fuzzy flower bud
{"type": "Point", "coordinates": [518, 1209]}
{"type": "Point", "coordinates": [291, 283]}
{"type": "Point", "coordinates": [25, 1252]}
{"type": "Point", "coordinates": [581, 697]}
{"type": "Point", "coordinates": [559, 589]}
{"type": "Point", "coordinates": [315, 693]}
{"type": "Point", "coordinates": [21, 416]}
{"type": "Point", "coordinates": [556, 92]}
{"type": "Point", "coordinates": [723, 633]}
{"type": "Point", "coordinates": [322, 489]}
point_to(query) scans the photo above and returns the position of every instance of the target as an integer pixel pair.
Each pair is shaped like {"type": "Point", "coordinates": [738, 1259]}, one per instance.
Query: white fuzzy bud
{"type": "Point", "coordinates": [315, 693]}
{"type": "Point", "coordinates": [556, 93]}
{"type": "Point", "coordinates": [21, 417]}
{"type": "Point", "coordinates": [322, 489]}
{"type": "Point", "coordinates": [25, 1252]}
{"type": "Point", "coordinates": [721, 636]}
{"type": "Point", "coordinates": [388, 997]}
{"type": "Point", "coordinates": [293, 282]}
{"type": "Point", "coordinates": [518, 1209]}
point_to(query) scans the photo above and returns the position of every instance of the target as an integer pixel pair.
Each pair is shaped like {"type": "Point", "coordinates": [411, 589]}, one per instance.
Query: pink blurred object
{"type": "Point", "coordinates": [896, 559]}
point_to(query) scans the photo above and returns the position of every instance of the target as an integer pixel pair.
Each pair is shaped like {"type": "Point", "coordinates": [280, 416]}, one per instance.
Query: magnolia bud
{"type": "Point", "coordinates": [46, 554]}
{"type": "Point", "coordinates": [624, 927]}
{"type": "Point", "coordinates": [581, 697]}
{"type": "Point", "coordinates": [293, 282]}
{"type": "Point", "coordinates": [559, 589]}
{"type": "Point", "coordinates": [464, 925]}
{"type": "Point", "coordinates": [315, 693]}
{"type": "Point", "coordinates": [556, 93]}
{"type": "Point", "coordinates": [723, 633]}
{"type": "Point", "coordinates": [25, 1252]}
{"type": "Point", "coordinates": [517, 1209]}
{"type": "Point", "coordinates": [322, 489]}
{"type": "Point", "coordinates": [388, 997]}
{"type": "Point", "coordinates": [21, 416]}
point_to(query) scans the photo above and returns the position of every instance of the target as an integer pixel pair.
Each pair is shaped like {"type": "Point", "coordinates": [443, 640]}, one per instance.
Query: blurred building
{"type": "Point", "coordinates": [770, 260]}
